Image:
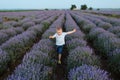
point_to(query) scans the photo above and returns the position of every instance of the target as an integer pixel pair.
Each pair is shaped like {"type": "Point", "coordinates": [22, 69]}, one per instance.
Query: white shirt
{"type": "Point", "coordinates": [60, 39]}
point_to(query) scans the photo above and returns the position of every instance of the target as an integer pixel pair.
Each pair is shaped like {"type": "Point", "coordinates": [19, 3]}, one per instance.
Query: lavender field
{"type": "Point", "coordinates": [27, 53]}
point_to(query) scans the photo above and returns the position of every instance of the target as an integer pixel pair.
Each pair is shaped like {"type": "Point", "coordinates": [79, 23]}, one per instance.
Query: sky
{"type": "Point", "coordinates": [57, 4]}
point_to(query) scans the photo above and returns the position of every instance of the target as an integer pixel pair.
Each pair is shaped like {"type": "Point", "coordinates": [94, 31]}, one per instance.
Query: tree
{"type": "Point", "coordinates": [98, 9]}
{"type": "Point", "coordinates": [73, 7]}
{"type": "Point", "coordinates": [46, 9]}
{"type": "Point", "coordinates": [90, 8]}
{"type": "Point", "coordinates": [83, 7]}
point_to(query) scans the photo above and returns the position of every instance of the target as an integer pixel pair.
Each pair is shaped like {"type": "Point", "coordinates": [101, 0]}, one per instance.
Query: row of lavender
{"type": "Point", "coordinates": [38, 63]}
{"type": "Point", "coordinates": [6, 34]}
{"type": "Point", "coordinates": [113, 28]}
{"type": "Point", "coordinates": [111, 40]}
{"type": "Point", "coordinates": [8, 20]}
{"type": "Point", "coordinates": [82, 63]}
{"type": "Point", "coordinates": [15, 47]}
{"type": "Point", "coordinates": [109, 12]}
{"type": "Point", "coordinates": [107, 43]}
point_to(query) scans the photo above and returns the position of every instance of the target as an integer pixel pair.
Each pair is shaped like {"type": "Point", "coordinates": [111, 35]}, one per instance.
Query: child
{"type": "Point", "coordinates": [60, 40]}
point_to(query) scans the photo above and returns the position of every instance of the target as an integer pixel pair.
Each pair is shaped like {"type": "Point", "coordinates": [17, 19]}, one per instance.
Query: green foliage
{"type": "Point", "coordinates": [84, 7]}
{"type": "Point", "coordinates": [73, 7]}
{"type": "Point", "coordinates": [98, 9]}
{"type": "Point", "coordinates": [90, 8]}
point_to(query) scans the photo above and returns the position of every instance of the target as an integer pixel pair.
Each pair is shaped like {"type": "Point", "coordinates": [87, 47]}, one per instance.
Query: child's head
{"type": "Point", "coordinates": [59, 30]}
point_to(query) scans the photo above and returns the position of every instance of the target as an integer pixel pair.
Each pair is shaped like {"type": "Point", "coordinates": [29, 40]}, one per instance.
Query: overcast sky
{"type": "Point", "coordinates": [58, 4]}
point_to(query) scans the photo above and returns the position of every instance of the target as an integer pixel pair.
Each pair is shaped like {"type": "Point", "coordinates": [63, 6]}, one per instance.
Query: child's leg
{"type": "Point", "coordinates": [59, 50]}
{"type": "Point", "coordinates": [59, 57]}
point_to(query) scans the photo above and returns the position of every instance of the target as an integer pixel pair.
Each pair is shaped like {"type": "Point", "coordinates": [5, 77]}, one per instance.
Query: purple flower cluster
{"type": "Point", "coordinates": [49, 21]}
{"type": "Point", "coordinates": [115, 29]}
{"type": "Point", "coordinates": [52, 29]}
{"type": "Point", "coordinates": [85, 24]}
{"type": "Point", "coordinates": [17, 45]}
{"type": "Point", "coordinates": [81, 55]}
{"type": "Point", "coordinates": [79, 52]}
{"type": "Point", "coordinates": [71, 44]}
{"type": "Point", "coordinates": [1, 20]}
{"type": "Point", "coordinates": [105, 25]}
{"type": "Point", "coordinates": [4, 58]}
{"type": "Point", "coordinates": [8, 33]}
{"type": "Point", "coordinates": [106, 42]}
{"type": "Point", "coordinates": [98, 22]}
{"type": "Point", "coordinates": [38, 21]}
{"type": "Point", "coordinates": [3, 37]}
{"type": "Point", "coordinates": [40, 54]}
{"type": "Point", "coordinates": [31, 72]}
{"type": "Point", "coordinates": [114, 60]}
{"type": "Point", "coordinates": [11, 23]}
{"type": "Point", "coordinates": [86, 72]}
{"type": "Point", "coordinates": [112, 21]}
{"type": "Point", "coordinates": [28, 24]}
{"type": "Point", "coordinates": [94, 32]}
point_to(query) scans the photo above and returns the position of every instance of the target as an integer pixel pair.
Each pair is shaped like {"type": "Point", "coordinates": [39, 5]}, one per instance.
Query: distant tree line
{"type": "Point", "coordinates": [83, 7]}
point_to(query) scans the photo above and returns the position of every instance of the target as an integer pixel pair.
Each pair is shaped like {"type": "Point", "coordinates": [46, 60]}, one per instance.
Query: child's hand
{"type": "Point", "coordinates": [50, 36]}
{"type": "Point", "coordinates": [74, 30]}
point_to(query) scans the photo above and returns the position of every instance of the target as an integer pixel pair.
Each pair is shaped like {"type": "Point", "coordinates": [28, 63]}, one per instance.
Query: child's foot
{"type": "Point", "coordinates": [59, 62]}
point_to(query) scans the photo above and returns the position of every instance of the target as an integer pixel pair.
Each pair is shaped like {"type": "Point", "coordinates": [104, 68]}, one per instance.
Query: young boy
{"type": "Point", "coordinates": [60, 40]}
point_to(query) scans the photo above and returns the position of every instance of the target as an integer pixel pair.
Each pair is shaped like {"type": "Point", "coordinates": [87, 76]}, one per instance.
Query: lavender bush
{"type": "Point", "coordinates": [3, 61]}
{"type": "Point", "coordinates": [27, 25]}
{"type": "Point", "coordinates": [49, 21]}
{"type": "Point", "coordinates": [46, 46]}
{"type": "Point", "coordinates": [85, 24]}
{"type": "Point", "coordinates": [105, 25]}
{"type": "Point", "coordinates": [19, 44]}
{"type": "Point", "coordinates": [86, 72]}
{"type": "Point", "coordinates": [77, 34]}
{"type": "Point", "coordinates": [94, 32]}
{"type": "Point", "coordinates": [10, 32]}
{"type": "Point", "coordinates": [81, 55]}
{"type": "Point", "coordinates": [70, 23]}
{"type": "Point", "coordinates": [18, 30]}
{"type": "Point", "coordinates": [72, 44]}
{"type": "Point", "coordinates": [114, 61]}
{"type": "Point", "coordinates": [88, 26]}
{"type": "Point", "coordinates": [52, 30]}
{"type": "Point", "coordinates": [106, 42]}
{"type": "Point", "coordinates": [3, 37]}
{"type": "Point", "coordinates": [31, 72]}
{"type": "Point", "coordinates": [115, 29]}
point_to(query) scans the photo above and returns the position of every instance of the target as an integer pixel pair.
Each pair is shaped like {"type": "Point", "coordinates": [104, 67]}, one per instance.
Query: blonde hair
{"type": "Point", "coordinates": [59, 28]}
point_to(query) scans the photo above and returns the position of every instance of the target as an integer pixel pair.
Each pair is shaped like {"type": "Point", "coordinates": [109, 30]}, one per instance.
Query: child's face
{"type": "Point", "coordinates": [59, 32]}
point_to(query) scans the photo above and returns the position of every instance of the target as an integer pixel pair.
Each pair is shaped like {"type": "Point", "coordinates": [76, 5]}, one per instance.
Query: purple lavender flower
{"type": "Point", "coordinates": [10, 32]}
{"type": "Point", "coordinates": [86, 72]}
{"type": "Point", "coordinates": [114, 60]}
{"type": "Point", "coordinates": [106, 42]}
{"type": "Point", "coordinates": [115, 29]}
{"type": "Point", "coordinates": [94, 32]}
{"type": "Point", "coordinates": [4, 58]}
{"type": "Point", "coordinates": [105, 25]}
{"type": "Point", "coordinates": [27, 25]}
{"type": "Point", "coordinates": [81, 55]}
{"type": "Point", "coordinates": [72, 44]}
{"type": "Point", "coordinates": [3, 37]}
{"type": "Point", "coordinates": [31, 71]}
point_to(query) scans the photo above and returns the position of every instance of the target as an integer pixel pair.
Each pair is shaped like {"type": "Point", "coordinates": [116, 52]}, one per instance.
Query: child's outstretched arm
{"type": "Point", "coordinates": [51, 37]}
{"type": "Point", "coordinates": [70, 32]}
